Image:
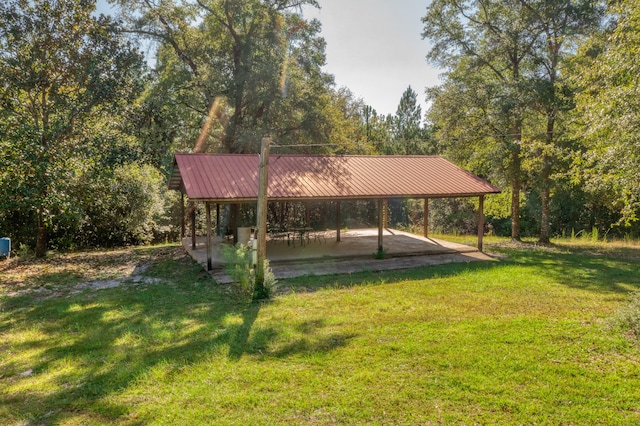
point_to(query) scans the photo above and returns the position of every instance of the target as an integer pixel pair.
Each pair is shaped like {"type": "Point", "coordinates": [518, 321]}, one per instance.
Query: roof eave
{"type": "Point", "coordinates": [341, 198]}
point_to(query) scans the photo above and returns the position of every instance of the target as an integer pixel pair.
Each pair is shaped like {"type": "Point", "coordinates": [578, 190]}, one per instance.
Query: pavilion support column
{"type": "Point", "coordinates": [208, 245]}
{"type": "Point", "coordinates": [426, 218]}
{"type": "Point", "coordinates": [234, 211]}
{"type": "Point", "coordinates": [193, 225]}
{"type": "Point", "coordinates": [306, 213]}
{"type": "Point", "coordinates": [480, 221]}
{"type": "Point", "coordinates": [218, 220]}
{"type": "Point", "coordinates": [260, 292]}
{"type": "Point", "coordinates": [380, 223]}
{"type": "Point", "coordinates": [182, 224]}
{"type": "Point", "coordinates": [338, 219]}
{"type": "Point", "coordinates": [386, 213]}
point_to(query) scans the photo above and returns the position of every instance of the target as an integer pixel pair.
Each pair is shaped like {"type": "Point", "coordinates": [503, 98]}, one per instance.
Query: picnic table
{"type": "Point", "coordinates": [303, 233]}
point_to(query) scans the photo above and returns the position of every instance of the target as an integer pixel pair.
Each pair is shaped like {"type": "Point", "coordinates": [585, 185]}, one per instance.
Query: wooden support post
{"type": "Point", "coordinates": [218, 220]}
{"type": "Point", "coordinates": [385, 209]}
{"type": "Point", "coordinates": [426, 218]}
{"type": "Point", "coordinates": [306, 213]}
{"type": "Point", "coordinates": [208, 243]}
{"type": "Point", "coordinates": [380, 224]}
{"type": "Point", "coordinates": [263, 176]}
{"type": "Point", "coordinates": [338, 220]}
{"type": "Point", "coordinates": [182, 224]}
{"type": "Point", "coordinates": [480, 221]}
{"type": "Point", "coordinates": [193, 225]}
{"type": "Point", "coordinates": [234, 211]}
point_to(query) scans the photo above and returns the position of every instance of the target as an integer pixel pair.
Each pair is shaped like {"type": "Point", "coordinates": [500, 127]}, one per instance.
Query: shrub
{"type": "Point", "coordinates": [239, 266]}
{"type": "Point", "coordinates": [128, 205]}
{"type": "Point", "coordinates": [628, 319]}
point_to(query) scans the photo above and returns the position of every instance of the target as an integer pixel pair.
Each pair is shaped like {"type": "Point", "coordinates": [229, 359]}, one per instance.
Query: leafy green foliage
{"type": "Point", "coordinates": [502, 108]}
{"type": "Point", "coordinates": [127, 205]}
{"type": "Point", "coordinates": [239, 266]}
{"type": "Point", "coordinates": [60, 68]}
{"type": "Point", "coordinates": [250, 66]}
{"type": "Point", "coordinates": [608, 111]}
{"type": "Point", "coordinates": [406, 133]}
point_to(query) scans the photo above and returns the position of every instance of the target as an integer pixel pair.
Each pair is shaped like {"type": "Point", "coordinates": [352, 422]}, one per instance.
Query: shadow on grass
{"type": "Point", "coordinates": [603, 268]}
{"type": "Point", "coordinates": [82, 350]}
{"type": "Point", "coordinates": [311, 283]}
{"type": "Point", "coordinates": [592, 268]}
{"type": "Point", "coordinates": [88, 347]}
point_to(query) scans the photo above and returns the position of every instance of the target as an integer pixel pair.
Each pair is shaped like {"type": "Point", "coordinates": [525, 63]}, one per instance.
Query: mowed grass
{"type": "Point", "coordinates": [528, 338]}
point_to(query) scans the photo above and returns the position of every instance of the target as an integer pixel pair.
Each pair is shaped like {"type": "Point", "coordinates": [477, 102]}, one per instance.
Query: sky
{"type": "Point", "coordinates": [374, 47]}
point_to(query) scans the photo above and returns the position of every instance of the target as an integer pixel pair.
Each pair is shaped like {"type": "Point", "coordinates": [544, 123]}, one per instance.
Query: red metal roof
{"type": "Point", "coordinates": [234, 177]}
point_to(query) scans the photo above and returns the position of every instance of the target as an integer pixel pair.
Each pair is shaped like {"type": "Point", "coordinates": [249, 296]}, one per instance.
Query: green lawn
{"type": "Point", "coordinates": [527, 339]}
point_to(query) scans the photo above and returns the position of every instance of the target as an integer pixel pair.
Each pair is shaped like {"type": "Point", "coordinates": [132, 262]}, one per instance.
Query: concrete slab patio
{"type": "Point", "coordinates": [323, 255]}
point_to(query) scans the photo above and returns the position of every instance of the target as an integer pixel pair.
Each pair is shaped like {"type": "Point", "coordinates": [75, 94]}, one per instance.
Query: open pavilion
{"type": "Point", "coordinates": [221, 179]}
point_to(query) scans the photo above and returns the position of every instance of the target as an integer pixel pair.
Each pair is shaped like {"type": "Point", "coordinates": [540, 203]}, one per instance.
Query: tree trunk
{"type": "Point", "coordinates": [546, 213]}
{"type": "Point", "coordinates": [515, 208]}
{"type": "Point", "coordinates": [516, 183]}
{"type": "Point", "coordinates": [41, 238]}
{"type": "Point", "coordinates": [545, 184]}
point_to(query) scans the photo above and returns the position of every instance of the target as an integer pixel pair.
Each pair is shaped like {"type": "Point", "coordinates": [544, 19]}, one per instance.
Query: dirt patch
{"type": "Point", "coordinates": [65, 274]}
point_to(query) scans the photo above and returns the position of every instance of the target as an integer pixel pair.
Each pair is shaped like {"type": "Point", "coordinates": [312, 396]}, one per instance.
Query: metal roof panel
{"type": "Point", "coordinates": [229, 177]}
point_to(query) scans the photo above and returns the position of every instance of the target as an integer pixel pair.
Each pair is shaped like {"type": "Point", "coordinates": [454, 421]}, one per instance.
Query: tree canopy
{"type": "Point", "coordinates": [61, 70]}
{"type": "Point", "coordinates": [541, 97]}
{"type": "Point", "coordinates": [504, 79]}
{"type": "Point", "coordinates": [608, 110]}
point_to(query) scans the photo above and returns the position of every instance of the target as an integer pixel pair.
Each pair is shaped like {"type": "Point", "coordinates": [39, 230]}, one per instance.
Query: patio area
{"type": "Point", "coordinates": [323, 255]}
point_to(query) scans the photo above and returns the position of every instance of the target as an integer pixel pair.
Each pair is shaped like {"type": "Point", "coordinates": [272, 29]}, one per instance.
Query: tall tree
{"type": "Point", "coordinates": [493, 38]}
{"type": "Point", "coordinates": [376, 128]}
{"type": "Point", "coordinates": [562, 24]}
{"type": "Point", "coordinates": [253, 66]}
{"type": "Point", "coordinates": [608, 106]}
{"type": "Point", "coordinates": [60, 67]}
{"type": "Point", "coordinates": [407, 132]}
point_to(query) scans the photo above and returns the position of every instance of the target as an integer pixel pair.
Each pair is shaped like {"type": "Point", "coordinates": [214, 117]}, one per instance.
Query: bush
{"type": "Point", "coordinates": [129, 205]}
{"type": "Point", "coordinates": [628, 319]}
{"type": "Point", "coordinates": [240, 268]}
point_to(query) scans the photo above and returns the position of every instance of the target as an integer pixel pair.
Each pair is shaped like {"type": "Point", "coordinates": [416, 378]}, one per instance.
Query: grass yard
{"type": "Point", "coordinates": [143, 336]}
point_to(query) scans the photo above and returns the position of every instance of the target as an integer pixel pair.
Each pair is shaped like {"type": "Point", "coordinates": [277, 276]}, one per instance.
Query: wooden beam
{"type": "Point", "coordinates": [234, 211]}
{"type": "Point", "coordinates": [218, 220]}
{"type": "Point", "coordinates": [306, 213]}
{"type": "Point", "coordinates": [480, 221]}
{"type": "Point", "coordinates": [426, 218]}
{"type": "Point", "coordinates": [193, 225]}
{"type": "Point", "coordinates": [182, 224]}
{"type": "Point", "coordinates": [338, 219]}
{"type": "Point", "coordinates": [263, 181]}
{"type": "Point", "coordinates": [386, 213]}
{"type": "Point", "coordinates": [208, 244]}
{"type": "Point", "coordinates": [380, 223]}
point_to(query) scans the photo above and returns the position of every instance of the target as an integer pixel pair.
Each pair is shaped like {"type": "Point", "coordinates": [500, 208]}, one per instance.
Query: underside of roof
{"type": "Point", "coordinates": [233, 178]}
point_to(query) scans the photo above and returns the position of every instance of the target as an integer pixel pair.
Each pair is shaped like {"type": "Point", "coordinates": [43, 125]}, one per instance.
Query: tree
{"type": "Point", "coordinates": [250, 66]}
{"type": "Point", "coordinates": [59, 67]}
{"type": "Point", "coordinates": [506, 60]}
{"type": "Point", "coordinates": [376, 129]}
{"type": "Point", "coordinates": [606, 73]}
{"type": "Point", "coordinates": [492, 39]}
{"type": "Point", "coordinates": [407, 132]}
{"type": "Point", "coordinates": [562, 24]}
